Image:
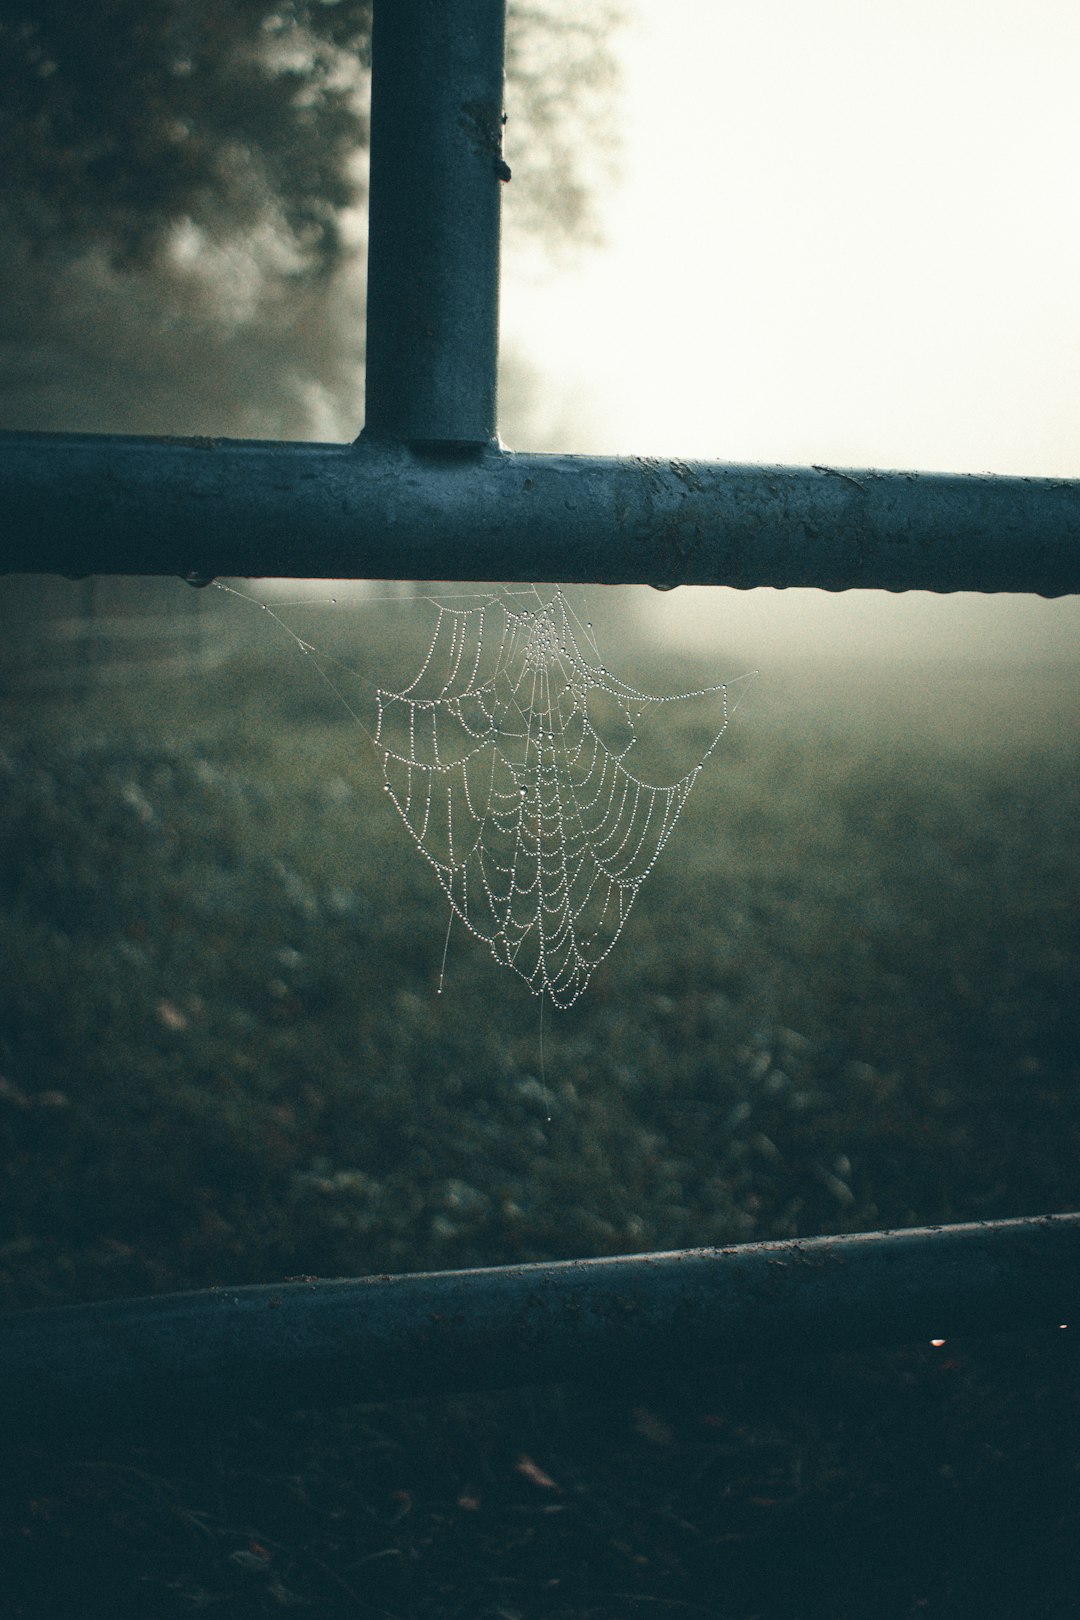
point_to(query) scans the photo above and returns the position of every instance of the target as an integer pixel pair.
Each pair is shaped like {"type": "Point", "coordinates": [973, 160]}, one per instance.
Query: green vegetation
{"type": "Point", "coordinates": [847, 998]}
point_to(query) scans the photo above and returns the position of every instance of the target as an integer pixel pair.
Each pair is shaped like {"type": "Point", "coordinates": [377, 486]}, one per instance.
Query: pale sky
{"type": "Point", "coordinates": [846, 231]}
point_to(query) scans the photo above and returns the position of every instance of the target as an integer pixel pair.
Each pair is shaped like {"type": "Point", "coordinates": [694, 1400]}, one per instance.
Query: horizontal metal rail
{"type": "Point", "coordinates": [310, 1343]}
{"type": "Point", "coordinates": [426, 493]}
{"type": "Point", "coordinates": [85, 504]}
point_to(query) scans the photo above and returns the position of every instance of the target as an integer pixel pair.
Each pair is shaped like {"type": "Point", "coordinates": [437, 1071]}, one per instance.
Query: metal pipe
{"type": "Point", "coordinates": [83, 504]}
{"type": "Point", "coordinates": [433, 220]}
{"type": "Point", "coordinates": [234, 1351]}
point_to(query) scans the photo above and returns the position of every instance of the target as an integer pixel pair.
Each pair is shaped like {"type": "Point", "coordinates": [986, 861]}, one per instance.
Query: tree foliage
{"type": "Point", "coordinates": [120, 120]}
{"type": "Point", "coordinates": [181, 203]}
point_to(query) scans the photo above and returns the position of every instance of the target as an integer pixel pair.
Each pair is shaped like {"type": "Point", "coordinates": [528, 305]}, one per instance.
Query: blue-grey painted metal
{"type": "Point", "coordinates": [82, 504]}
{"type": "Point", "coordinates": [404, 502]}
{"type": "Point", "coordinates": [233, 1351]}
{"type": "Point", "coordinates": [437, 170]}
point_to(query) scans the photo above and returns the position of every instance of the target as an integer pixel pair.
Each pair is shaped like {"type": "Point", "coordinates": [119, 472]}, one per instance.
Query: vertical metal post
{"type": "Point", "coordinates": [433, 220]}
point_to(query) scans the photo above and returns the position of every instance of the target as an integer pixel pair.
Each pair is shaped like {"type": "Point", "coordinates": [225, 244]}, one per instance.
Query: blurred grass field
{"type": "Point", "coordinates": [847, 998]}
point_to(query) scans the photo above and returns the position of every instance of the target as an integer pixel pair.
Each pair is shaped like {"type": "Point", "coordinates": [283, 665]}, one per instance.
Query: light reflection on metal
{"type": "Point", "coordinates": [461, 508]}
{"type": "Point", "coordinates": [184, 1357]}
{"type": "Point", "coordinates": [83, 504]}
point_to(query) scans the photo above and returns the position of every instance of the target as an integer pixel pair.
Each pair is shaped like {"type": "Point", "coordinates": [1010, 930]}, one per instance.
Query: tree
{"type": "Point", "coordinates": [181, 202]}
{"type": "Point", "coordinates": [121, 118]}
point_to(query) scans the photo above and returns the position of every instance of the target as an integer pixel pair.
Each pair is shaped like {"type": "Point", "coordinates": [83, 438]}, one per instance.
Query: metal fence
{"type": "Point", "coordinates": [428, 492]}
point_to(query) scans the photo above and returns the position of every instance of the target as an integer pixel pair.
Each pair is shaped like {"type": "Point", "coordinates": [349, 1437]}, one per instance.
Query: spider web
{"type": "Point", "coordinates": [508, 758]}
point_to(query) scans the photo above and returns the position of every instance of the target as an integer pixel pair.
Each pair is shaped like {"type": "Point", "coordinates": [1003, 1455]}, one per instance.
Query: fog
{"type": "Point", "coordinates": [837, 234]}
{"type": "Point", "coordinates": [842, 234]}
{"type": "Point", "coordinates": [773, 626]}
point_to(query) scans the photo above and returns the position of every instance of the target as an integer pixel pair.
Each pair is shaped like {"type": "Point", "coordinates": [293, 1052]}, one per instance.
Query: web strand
{"type": "Point", "coordinates": [536, 827]}
{"type": "Point", "coordinates": [509, 758]}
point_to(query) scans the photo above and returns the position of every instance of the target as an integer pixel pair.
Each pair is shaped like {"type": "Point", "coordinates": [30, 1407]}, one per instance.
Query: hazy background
{"type": "Point", "coordinates": [840, 234]}
{"type": "Point", "coordinates": [847, 997]}
{"type": "Point", "coordinates": [828, 233]}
